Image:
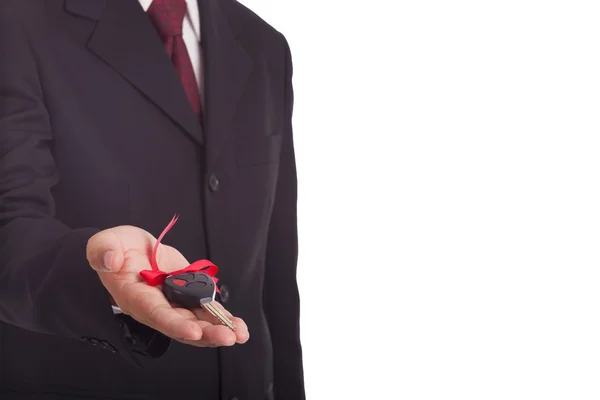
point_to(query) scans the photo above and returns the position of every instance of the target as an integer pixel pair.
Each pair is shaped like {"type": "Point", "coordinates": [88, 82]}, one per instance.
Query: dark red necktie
{"type": "Point", "coordinates": [167, 17]}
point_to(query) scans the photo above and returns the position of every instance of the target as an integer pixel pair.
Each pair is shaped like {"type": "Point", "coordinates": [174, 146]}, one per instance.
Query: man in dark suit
{"type": "Point", "coordinates": [115, 115]}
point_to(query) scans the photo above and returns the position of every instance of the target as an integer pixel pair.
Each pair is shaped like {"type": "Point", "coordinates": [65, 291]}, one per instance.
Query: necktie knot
{"type": "Point", "coordinates": [167, 16]}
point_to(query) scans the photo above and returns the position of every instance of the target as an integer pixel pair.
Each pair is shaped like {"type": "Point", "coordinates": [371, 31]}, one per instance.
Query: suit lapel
{"type": "Point", "coordinates": [226, 68]}
{"type": "Point", "coordinates": [126, 40]}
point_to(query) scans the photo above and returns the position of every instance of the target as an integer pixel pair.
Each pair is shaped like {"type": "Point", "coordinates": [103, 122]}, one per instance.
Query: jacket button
{"type": "Point", "coordinates": [224, 293]}
{"type": "Point", "coordinates": [213, 183]}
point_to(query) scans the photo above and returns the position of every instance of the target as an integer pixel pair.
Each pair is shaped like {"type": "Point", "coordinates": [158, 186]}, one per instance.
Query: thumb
{"type": "Point", "coordinates": [105, 252]}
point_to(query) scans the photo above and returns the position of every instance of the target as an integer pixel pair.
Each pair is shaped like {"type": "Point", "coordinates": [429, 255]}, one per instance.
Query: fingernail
{"type": "Point", "coordinates": [108, 257]}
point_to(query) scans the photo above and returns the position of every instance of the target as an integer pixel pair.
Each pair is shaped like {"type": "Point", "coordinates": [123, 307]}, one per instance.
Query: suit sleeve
{"type": "Point", "coordinates": [281, 298]}
{"type": "Point", "coordinates": [46, 284]}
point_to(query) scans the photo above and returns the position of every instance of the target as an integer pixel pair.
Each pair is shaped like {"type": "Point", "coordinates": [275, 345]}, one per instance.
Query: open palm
{"type": "Point", "coordinates": [125, 251]}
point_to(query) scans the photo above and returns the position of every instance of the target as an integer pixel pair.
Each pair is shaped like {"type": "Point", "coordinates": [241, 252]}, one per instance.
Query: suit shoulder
{"type": "Point", "coordinates": [19, 7]}
{"type": "Point", "coordinates": [27, 11]}
{"type": "Point", "coordinates": [247, 20]}
{"type": "Point", "coordinates": [13, 8]}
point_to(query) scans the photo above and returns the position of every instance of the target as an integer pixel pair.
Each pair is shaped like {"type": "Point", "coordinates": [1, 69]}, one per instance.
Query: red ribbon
{"type": "Point", "coordinates": [156, 277]}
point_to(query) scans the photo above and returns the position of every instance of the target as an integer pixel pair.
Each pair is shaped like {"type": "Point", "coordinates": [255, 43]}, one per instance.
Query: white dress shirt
{"type": "Point", "coordinates": [191, 37]}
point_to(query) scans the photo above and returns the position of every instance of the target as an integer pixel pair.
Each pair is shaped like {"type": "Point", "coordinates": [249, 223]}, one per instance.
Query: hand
{"type": "Point", "coordinates": [119, 254]}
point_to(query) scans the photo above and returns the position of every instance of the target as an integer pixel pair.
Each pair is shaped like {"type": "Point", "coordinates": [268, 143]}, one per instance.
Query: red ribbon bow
{"type": "Point", "coordinates": [156, 277]}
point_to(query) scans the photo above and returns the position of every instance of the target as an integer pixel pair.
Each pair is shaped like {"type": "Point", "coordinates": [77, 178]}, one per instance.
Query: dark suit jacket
{"type": "Point", "coordinates": [95, 132]}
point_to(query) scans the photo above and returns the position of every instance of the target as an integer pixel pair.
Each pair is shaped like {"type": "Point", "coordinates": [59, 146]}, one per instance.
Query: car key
{"type": "Point", "coordinates": [193, 289]}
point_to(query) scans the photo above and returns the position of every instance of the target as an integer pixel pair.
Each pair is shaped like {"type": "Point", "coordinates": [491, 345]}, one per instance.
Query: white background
{"type": "Point", "coordinates": [449, 172]}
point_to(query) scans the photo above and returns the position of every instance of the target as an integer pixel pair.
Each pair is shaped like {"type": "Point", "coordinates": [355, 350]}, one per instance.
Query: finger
{"type": "Point", "coordinates": [105, 252]}
{"type": "Point", "coordinates": [214, 336]}
{"type": "Point", "coordinates": [241, 329]}
{"type": "Point", "coordinates": [169, 322]}
{"type": "Point", "coordinates": [211, 337]}
{"type": "Point", "coordinates": [197, 343]}
{"type": "Point", "coordinates": [241, 334]}
{"type": "Point", "coordinates": [152, 309]}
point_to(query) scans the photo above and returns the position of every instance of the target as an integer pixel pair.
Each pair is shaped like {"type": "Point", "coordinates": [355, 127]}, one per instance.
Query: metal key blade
{"type": "Point", "coordinates": [191, 289]}
{"type": "Point", "coordinates": [216, 312]}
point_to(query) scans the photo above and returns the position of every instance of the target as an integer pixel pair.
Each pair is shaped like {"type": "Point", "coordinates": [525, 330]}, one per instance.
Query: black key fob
{"type": "Point", "coordinates": [189, 289]}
